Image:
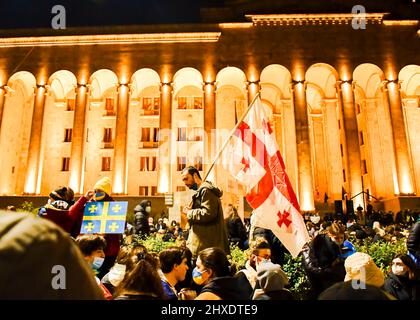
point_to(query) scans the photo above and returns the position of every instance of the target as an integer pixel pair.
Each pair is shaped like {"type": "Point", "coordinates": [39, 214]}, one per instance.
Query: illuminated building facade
{"type": "Point", "coordinates": [138, 105]}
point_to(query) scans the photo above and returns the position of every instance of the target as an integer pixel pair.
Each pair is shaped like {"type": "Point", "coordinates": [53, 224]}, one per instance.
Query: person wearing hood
{"type": "Point", "coordinates": [271, 282]}
{"type": "Point", "coordinates": [204, 214]}
{"type": "Point", "coordinates": [38, 260]}
{"type": "Point", "coordinates": [214, 272]}
{"type": "Point", "coordinates": [141, 218]}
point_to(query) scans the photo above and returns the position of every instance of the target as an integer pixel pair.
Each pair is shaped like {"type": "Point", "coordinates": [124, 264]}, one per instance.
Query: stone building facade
{"type": "Point", "coordinates": [140, 103]}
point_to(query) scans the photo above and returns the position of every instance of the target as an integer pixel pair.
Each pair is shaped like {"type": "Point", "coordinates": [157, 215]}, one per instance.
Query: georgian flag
{"type": "Point", "coordinates": [253, 158]}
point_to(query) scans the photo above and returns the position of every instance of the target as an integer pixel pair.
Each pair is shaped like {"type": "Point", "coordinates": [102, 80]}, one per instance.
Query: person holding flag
{"type": "Point", "coordinates": [101, 192]}
{"type": "Point", "coordinates": [204, 214]}
{"type": "Point", "coordinates": [251, 155]}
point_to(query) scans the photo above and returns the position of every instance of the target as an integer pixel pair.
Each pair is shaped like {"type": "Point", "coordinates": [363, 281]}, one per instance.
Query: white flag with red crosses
{"type": "Point", "coordinates": [253, 158]}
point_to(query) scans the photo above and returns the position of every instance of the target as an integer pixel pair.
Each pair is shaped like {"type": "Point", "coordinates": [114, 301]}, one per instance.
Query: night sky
{"type": "Point", "coordinates": [37, 13]}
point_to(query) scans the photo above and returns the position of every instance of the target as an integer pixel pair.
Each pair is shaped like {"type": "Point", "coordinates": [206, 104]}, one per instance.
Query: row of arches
{"type": "Point", "coordinates": [340, 110]}
{"type": "Point", "coordinates": [321, 76]}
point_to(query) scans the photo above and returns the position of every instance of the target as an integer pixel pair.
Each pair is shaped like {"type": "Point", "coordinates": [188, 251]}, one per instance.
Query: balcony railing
{"type": "Point", "coordinates": [148, 145]}
{"type": "Point", "coordinates": [107, 145]}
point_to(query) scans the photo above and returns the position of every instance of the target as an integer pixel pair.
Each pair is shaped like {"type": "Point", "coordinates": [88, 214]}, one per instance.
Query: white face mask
{"type": "Point", "coordinates": [148, 209]}
{"type": "Point", "coordinates": [398, 270]}
{"type": "Point", "coordinates": [315, 219]}
{"type": "Point", "coordinates": [349, 224]}
{"type": "Point", "coordinates": [116, 274]}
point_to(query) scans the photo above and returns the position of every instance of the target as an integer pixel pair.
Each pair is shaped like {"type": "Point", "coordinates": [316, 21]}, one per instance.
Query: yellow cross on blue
{"type": "Point", "coordinates": [104, 217]}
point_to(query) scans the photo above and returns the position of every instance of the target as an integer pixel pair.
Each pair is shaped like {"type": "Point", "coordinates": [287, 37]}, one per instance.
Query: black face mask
{"type": "Point", "coordinates": [194, 186]}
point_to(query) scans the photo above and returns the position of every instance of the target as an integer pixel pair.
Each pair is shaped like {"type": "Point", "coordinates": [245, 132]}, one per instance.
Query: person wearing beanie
{"type": "Point", "coordinates": [58, 210]}
{"type": "Point", "coordinates": [102, 189]}
{"type": "Point", "coordinates": [271, 282]}
{"type": "Point", "coordinates": [141, 218]}
{"type": "Point", "coordinates": [101, 192]}
{"type": "Point", "coordinates": [33, 253]}
{"type": "Point", "coordinates": [361, 267]}
{"type": "Point", "coordinates": [363, 281]}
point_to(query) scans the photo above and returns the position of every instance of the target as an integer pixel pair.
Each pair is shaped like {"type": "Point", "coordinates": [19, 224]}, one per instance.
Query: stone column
{"type": "Point", "coordinates": [120, 145]}
{"type": "Point", "coordinates": [253, 89]}
{"type": "Point", "coordinates": [352, 142]}
{"type": "Point", "coordinates": [334, 165]}
{"type": "Point", "coordinates": [404, 166]}
{"type": "Point", "coordinates": [2, 99]}
{"type": "Point", "coordinates": [209, 126]}
{"type": "Point", "coordinates": [164, 160]}
{"type": "Point", "coordinates": [306, 191]}
{"type": "Point", "coordinates": [78, 140]}
{"type": "Point", "coordinates": [32, 168]}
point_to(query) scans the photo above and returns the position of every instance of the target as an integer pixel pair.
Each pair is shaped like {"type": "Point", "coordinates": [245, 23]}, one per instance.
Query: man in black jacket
{"type": "Point", "coordinates": [413, 243]}
{"type": "Point", "coordinates": [321, 259]}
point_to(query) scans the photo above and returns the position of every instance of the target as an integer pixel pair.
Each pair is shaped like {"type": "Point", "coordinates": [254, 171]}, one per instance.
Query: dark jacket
{"type": "Point", "coordinates": [227, 288]}
{"type": "Point", "coordinates": [413, 240]}
{"type": "Point", "coordinates": [136, 297]}
{"type": "Point", "coordinates": [402, 288]}
{"type": "Point", "coordinates": [236, 231]}
{"type": "Point", "coordinates": [322, 263]}
{"type": "Point", "coordinates": [283, 294]}
{"type": "Point", "coordinates": [345, 291]}
{"type": "Point", "coordinates": [207, 226]}
{"type": "Point", "coordinates": [244, 284]}
{"type": "Point", "coordinates": [29, 249]}
{"type": "Point", "coordinates": [141, 219]}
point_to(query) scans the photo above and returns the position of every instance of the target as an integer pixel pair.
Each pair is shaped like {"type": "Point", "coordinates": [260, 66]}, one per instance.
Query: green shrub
{"type": "Point", "coordinates": [152, 243]}
{"type": "Point", "coordinates": [27, 206]}
{"type": "Point", "coordinates": [238, 256]}
{"type": "Point", "coordinates": [382, 252]}
{"type": "Point", "coordinates": [299, 284]}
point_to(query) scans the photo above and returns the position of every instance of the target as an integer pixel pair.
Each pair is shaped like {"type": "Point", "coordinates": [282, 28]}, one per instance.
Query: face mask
{"type": "Point", "coordinates": [97, 262]}
{"type": "Point", "coordinates": [315, 219]}
{"type": "Point", "coordinates": [194, 186]}
{"type": "Point", "coordinates": [349, 224]}
{"type": "Point", "coordinates": [398, 270]}
{"type": "Point", "coordinates": [116, 274]}
{"type": "Point", "coordinates": [263, 261]}
{"type": "Point", "coordinates": [198, 277]}
{"type": "Point", "coordinates": [99, 195]}
{"type": "Point", "coordinates": [148, 209]}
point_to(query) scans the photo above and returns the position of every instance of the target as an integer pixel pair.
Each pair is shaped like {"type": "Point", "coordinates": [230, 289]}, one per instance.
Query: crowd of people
{"type": "Point", "coordinates": [115, 267]}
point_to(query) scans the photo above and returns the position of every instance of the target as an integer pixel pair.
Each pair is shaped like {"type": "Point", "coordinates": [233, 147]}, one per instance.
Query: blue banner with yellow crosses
{"type": "Point", "coordinates": [104, 217]}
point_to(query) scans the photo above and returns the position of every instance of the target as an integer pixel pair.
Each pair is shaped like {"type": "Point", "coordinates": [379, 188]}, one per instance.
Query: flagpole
{"type": "Point", "coordinates": [230, 135]}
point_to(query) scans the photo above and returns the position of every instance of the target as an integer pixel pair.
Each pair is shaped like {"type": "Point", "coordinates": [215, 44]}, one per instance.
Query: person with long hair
{"type": "Point", "coordinates": [403, 280]}
{"type": "Point", "coordinates": [143, 282]}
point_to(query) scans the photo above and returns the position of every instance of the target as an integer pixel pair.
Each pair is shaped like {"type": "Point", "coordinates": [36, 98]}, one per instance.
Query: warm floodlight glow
{"type": "Point", "coordinates": [110, 39]}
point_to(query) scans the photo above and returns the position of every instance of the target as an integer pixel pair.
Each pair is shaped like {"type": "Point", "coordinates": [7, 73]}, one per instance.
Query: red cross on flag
{"type": "Point", "coordinates": [253, 158]}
